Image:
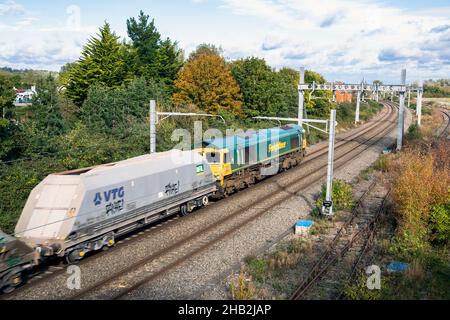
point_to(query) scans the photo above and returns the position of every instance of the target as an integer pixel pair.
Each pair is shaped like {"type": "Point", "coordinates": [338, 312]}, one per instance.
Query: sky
{"type": "Point", "coordinates": [345, 40]}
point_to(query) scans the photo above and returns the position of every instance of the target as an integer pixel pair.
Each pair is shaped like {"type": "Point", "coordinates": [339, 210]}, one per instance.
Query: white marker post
{"type": "Point", "coordinates": [153, 126]}
{"type": "Point", "coordinates": [327, 208]}
{"type": "Point", "coordinates": [401, 113]}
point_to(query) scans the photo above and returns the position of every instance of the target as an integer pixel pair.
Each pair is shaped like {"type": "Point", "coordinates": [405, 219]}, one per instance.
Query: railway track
{"type": "Point", "coordinates": [129, 279]}
{"type": "Point", "coordinates": [200, 245]}
{"type": "Point", "coordinates": [353, 239]}
{"type": "Point", "coordinates": [446, 123]}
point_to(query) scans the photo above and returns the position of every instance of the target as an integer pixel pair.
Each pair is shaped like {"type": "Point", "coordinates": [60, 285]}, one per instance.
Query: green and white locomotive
{"type": "Point", "coordinates": [238, 161]}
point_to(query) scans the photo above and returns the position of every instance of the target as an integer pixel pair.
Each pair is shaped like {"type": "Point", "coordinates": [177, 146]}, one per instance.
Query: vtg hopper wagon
{"type": "Point", "coordinates": [72, 213]}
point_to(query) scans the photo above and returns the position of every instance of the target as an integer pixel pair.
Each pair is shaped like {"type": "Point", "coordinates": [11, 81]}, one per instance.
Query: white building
{"type": "Point", "coordinates": [24, 97]}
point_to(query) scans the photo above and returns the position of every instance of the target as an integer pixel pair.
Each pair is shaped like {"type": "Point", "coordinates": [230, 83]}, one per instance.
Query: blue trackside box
{"type": "Point", "coordinates": [305, 223]}
{"type": "Point", "coordinates": [302, 227]}
{"type": "Point", "coordinates": [397, 266]}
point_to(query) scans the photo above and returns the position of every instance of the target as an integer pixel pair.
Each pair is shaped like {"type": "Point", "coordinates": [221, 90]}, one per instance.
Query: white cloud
{"type": "Point", "coordinates": [349, 37]}
{"type": "Point", "coordinates": [28, 43]}
{"type": "Point", "coordinates": [343, 39]}
{"type": "Point", "coordinates": [11, 7]}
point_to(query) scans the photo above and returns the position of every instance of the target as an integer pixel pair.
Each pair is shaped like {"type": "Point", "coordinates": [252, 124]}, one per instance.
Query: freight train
{"type": "Point", "coordinates": [72, 213]}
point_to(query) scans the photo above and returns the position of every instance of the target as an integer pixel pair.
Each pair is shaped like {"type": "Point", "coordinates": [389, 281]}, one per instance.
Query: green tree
{"type": "Point", "coordinates": [265, 91]}
{"type": "Point", "coordinates": [102, 61]}
{"type": "Point", "coordinates": [205, 48]}
{"type": "Point", "coordinates": [46, 107]}
{"type": "Point", "coordinates": [206, 83]}
{"type": "Point", "coordinates": [152, 56]}
{"type": "Point", "coordinates": [7, 95]}
{"type": "Point", "coordinates": [256, 81]}
{"type": "Point", "coordinates": [118, 110]}
{"type": "Point", "coordinates": [317, 103]}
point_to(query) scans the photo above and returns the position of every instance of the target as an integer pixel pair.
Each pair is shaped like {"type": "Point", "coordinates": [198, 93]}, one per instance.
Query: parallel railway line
{"type": "Point", "coordinates": [344, 145]}
{"type": "Point", "coordinates": [127, 280]}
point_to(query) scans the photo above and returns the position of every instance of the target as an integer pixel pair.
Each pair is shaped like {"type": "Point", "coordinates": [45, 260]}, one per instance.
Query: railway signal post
{"type": "Point", "coordinates": [327, 208]}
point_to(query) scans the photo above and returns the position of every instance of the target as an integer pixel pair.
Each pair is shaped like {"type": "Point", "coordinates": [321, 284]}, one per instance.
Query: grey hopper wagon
{"type": "Point", "coordinates": [72, 213]}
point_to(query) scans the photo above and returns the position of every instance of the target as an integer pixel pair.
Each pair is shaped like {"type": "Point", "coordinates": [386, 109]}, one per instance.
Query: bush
{"type": "Point", "coordinates": [382, 164]}
{"type": "Point", "coordinates": [419, 191]}
{"type": "Point", "coordinates": [257, 268]}
{"type": "Point", "coordinates": [440, 223]}
{"type": "Point", "coordinates": [342, 196]}
{"type": "Point", "coordinates": [414, 132]}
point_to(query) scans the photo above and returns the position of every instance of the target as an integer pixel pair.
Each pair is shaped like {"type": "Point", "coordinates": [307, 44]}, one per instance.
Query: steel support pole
{"type": "Point", "coordinates": [419, 107]}
{"type": "Point", "coordinates": [401, 113]}
{"type": "Point", "coordinates": [409, 98]}
{"type": "Point", "coordinates": [301, 98]}
{"type": "Point", "coordinates": [358, 105]}
{"type": "Point", "coordinates": [327, 208]}
{"type": "Point", "coordinates": [152, 126]}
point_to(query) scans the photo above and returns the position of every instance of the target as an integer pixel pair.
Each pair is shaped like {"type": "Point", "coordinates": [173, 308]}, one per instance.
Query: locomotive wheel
{"type": "Point", "coordinates": [205, 201]}
{"type": "Point", "coordinates": [13, 281]}
{"type": "Point", "coordinates": [184, 210]}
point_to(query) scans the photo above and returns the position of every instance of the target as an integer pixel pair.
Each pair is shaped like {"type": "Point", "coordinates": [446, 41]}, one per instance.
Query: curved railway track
{"type": "Point", "coordinates": [344, 144]}
{"type": "Point", "coordinates": [446, 123]}
{"type": "Point", "coordinates": [127, 280]}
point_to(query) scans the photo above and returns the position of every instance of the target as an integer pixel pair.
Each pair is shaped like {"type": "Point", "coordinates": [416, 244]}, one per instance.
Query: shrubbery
{"type": "Point", "coordinates": [421, 180]}
{"type": "Point", "coordinates": [342, 196]}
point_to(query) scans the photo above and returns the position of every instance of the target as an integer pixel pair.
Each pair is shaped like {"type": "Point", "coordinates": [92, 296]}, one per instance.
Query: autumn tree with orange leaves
{"type": "Point", "coordinates": [206, 83]}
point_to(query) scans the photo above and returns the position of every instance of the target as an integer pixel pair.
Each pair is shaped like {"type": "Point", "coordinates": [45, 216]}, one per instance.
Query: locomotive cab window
{"type": "Point", "coordinates": [213, 157]}
{"type": "Point", "coordinates": [228, 158]}
{"type": "Point", "coordinates": [295, 143]}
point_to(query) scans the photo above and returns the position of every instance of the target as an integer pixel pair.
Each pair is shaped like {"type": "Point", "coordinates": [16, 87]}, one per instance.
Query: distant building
{"type": "Point", "coordinates": [24, 97]}
{"type": "Point", "coordinates": [343, 97]}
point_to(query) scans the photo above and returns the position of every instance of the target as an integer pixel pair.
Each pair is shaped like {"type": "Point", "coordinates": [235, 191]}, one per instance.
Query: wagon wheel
{"type": "Point", "coordinates": [73, 257]}
{"type": "Point", "coordinates": [184, 210]}
{"type": "Point", "coordinates": [12, 282]}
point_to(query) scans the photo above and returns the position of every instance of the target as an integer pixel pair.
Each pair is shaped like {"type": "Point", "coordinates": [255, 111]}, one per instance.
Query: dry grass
{"type": "Point", "coordinates": [416, 271]}
{"type": "Point", "coordinates": [242, 288]}
{"type": "Point", "coordinates": [289, 254]}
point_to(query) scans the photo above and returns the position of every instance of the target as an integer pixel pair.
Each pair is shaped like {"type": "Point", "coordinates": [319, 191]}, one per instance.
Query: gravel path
{"type": "Point", "coordinates": [202, 277]}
